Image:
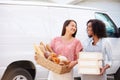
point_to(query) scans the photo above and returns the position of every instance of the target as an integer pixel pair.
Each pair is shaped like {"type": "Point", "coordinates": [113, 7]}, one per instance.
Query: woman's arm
{"type": "Point", "coordinates": [102, 70]}
{"type": "Point", "coordinates": [72, 64]}
{"type": "Point", "coordinates": [107, 51]}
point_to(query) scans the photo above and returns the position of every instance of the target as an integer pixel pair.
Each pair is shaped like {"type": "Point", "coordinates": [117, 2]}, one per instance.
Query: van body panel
{"type": "Point", "coordinates": [22, 25]}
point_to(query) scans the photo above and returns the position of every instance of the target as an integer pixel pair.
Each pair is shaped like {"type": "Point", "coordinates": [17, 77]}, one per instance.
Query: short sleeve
{"type": "Point", "coordinates": [79, 48]}
{"type": "Point", "coordinates": [52, 44]}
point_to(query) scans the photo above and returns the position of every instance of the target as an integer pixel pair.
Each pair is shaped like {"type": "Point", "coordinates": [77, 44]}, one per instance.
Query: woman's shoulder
{"type": "Point", "coordinates": [105, 40]}
{"type": "Point", "coordinates": [88, 40]}
{"type": "Point", "coordinates": [57, 38]}
{"type": "Point", "coordinates": [76, 40]}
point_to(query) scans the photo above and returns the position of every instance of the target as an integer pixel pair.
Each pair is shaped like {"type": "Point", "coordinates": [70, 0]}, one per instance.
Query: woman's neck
{"type": "Point", "coordinates": [95, 40]}
{"type": "Point", "coordinates": [67, 37]}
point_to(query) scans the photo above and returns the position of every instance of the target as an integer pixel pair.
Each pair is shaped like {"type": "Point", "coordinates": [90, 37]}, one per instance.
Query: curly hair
{"type": "Point", "coordinates": [98, 28]}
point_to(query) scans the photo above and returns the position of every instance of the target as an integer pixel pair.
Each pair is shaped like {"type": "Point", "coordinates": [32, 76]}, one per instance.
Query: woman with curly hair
{"type": "Point", "coordinates": [98, 42]}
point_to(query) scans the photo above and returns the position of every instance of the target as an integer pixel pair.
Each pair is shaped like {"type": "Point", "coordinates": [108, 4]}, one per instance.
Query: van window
{"type": "Point", "coordinates": [110, 26]}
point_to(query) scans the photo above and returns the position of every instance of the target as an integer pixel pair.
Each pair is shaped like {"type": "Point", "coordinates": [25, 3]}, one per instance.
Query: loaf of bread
{"type": "Point", "coordinates": [49, 48]}
{"type": "Point", "coordinates": [38, 50]}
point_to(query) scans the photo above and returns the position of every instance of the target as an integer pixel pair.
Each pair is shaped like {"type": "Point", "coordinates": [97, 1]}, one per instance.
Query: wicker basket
{"type": "Point", "coordinates": [51, 65]}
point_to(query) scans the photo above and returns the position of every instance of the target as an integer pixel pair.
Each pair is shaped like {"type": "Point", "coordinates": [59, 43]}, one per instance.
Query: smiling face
{"type": "Point", "coordinates": [71, 28]}
{"type": "Point", "coordinates": [97, 28]}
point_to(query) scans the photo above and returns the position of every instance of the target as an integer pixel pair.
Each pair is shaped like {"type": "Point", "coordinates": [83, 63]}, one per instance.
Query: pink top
{"type": "Point", "coordinates": [69, 50]}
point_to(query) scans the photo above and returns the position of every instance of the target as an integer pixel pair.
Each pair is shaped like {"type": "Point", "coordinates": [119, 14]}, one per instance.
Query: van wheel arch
{"type": "Point", "coordinates": [26, 65]}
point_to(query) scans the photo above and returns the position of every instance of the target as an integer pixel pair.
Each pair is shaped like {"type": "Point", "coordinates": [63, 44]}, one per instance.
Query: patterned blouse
{"type": "Point", "coordinates": [69, 50]}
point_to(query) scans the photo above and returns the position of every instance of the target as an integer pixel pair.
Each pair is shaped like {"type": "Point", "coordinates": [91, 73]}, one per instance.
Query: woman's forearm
{"type": "Point", "coordinates": [106, 66]}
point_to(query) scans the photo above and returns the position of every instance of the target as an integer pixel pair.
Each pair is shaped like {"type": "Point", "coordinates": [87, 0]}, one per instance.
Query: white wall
{"type": "Point", "coordinates": [113, 8]}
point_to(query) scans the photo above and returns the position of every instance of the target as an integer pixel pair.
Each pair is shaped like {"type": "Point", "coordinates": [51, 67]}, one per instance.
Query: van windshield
{"type": "Point", "coordinates": [110, 26]}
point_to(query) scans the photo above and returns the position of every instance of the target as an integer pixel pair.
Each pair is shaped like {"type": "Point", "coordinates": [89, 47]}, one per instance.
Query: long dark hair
{"type": "Point", "coordinates": [66, 23]}
{"type": "Point", "coordinates": [98, 28]}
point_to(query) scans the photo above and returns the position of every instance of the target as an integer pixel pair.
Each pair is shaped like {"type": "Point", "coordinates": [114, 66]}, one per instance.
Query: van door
{"type": "Point", "coordinates": [20, 27]}
{"type": "Point", "coordinates": [113, 35]}
{"type": "Point", "coordinates": [57, 17]}
{"type": "Point", "coordinates": [81, 16]}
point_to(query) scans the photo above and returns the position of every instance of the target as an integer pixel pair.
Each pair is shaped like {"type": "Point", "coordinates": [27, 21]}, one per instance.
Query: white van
{"type": "Point", "coordinates": [24, 23]}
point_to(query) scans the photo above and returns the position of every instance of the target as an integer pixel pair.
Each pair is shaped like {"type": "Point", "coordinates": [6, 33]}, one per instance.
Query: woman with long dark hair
{"type": "Point", "coordinates": [66, 45]}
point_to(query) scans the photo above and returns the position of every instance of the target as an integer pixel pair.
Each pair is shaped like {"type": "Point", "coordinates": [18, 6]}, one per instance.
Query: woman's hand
{"type": "Point", "coordinates": [102, 70]}
{"type": "Point", "coordinates": [72, 64]}
{"type": "Point", "coordinates": [35, 57]}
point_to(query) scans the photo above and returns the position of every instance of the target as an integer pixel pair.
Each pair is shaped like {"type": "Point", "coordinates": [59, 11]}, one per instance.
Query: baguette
{"type": "Point", "coordinates": [49, 48]}
{"type": "Point", "coordinates": [42, 48]}
{"type": "Point", "coordinates": [42, 44]}
{"type": "Point", "coordinates": [38, 50]}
